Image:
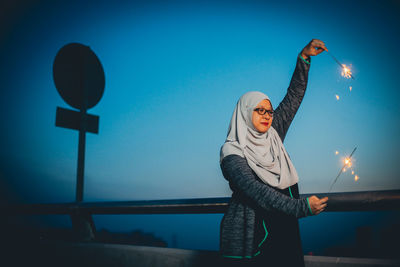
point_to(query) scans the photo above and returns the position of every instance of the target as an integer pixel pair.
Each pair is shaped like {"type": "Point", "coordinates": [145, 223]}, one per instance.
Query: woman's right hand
{"type": "Point", "coordinates": [317, 205]}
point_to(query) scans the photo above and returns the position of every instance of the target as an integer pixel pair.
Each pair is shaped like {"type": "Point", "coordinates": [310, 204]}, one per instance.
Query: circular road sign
{"type": "Point", "coordinates": [78, 76]}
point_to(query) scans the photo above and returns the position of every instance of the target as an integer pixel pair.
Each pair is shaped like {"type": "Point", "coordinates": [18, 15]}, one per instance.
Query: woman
{"type": "Point", "coordinates": [260, 226]}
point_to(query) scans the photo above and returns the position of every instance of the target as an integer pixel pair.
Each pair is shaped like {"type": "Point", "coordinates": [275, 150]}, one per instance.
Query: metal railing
{"type": "Point", "coordinates": [83, 224]}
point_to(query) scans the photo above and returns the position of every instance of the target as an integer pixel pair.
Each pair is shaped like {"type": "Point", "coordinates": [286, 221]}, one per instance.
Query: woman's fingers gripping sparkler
{"type": "Point", "coordinates": [313, 48]}
{"type": "Point", "coordinates": [317, 205]}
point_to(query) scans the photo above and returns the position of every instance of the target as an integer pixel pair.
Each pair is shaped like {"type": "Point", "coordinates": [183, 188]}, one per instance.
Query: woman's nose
{"type": "Point", "coordinates": [267, 115]}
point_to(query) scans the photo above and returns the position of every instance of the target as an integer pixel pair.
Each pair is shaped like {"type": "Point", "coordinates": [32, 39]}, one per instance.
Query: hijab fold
{"type": "Point", "coordinates": [264, 152]}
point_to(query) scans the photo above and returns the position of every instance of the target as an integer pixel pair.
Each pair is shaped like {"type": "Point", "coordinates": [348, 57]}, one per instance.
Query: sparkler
{"type": "Point", "coordinates": [347, 162]}
{"type": "Point", "coordinates": [346, 71]}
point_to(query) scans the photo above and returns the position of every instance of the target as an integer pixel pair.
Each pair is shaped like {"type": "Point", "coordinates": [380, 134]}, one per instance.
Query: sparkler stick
{"type": "Point", "coordinates": [348, 72]}
{"type": "Point", "coordinates": [341, 170]}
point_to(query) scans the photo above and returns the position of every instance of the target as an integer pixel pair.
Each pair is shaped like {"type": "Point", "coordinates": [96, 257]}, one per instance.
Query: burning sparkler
{"type": "Point", "coordinates": [346, 71]}
{"type": "Point", "coordinates": [348, 164]}
{"type": "Point", "coordinates": [337, 97]}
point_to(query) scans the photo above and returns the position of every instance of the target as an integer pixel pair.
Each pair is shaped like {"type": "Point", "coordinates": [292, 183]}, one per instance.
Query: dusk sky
{"type": "Point", "coordinates": [174, 71]}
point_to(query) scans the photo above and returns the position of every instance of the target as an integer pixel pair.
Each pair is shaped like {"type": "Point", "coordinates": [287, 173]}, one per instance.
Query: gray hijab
{"type": "Point", "coordinates": [264, 152]}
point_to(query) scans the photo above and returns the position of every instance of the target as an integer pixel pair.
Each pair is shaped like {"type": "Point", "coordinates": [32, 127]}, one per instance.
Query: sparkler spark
{"type": "Point", "coordinates": [356, 178]}
{"type": "Point", "coordinates": [345, 70]}
{"type": "Point", "coordinates": [343, 168]}
{"type": "Point", "coordinates": [337, 97]}
{"type": "Point", "coordinates": [350, 88]}
{"type": "Point", "coordinates": [352, 172]}
{"type": "Point", "coordinates": [337, 152]}
{"type": "Point", "coordinates": [347, 162]}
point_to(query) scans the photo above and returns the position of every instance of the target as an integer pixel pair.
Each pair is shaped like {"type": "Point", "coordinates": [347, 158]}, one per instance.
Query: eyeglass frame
{"type": "Point", "coordinates": [270, 112]}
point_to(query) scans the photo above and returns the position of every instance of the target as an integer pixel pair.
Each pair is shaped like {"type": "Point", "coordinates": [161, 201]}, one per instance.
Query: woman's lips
{"type": "Point", "coordinates": [265, 123]}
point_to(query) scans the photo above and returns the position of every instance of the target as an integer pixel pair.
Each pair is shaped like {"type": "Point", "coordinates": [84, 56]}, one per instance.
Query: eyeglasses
{"type": "Point", "coordinates": [262, 111]}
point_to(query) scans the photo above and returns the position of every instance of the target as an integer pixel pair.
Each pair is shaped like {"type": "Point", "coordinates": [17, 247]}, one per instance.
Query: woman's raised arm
{"type": "Point", "coordinates": [287, 109]}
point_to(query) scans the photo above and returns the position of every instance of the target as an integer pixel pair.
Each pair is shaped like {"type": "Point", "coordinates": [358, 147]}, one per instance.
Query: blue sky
{"type": "Point", "coordinates": [174, 71]}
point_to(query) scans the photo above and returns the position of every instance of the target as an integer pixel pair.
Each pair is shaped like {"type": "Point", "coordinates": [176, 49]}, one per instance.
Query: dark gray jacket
{"type": "Point", "coordinates": [237, 235]}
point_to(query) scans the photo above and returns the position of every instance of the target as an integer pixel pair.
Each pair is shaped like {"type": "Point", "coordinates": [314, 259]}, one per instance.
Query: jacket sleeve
{"type": "Point", "coordinates": [243, 181]}
{"type": "Point", "coordinates": [287, 109]}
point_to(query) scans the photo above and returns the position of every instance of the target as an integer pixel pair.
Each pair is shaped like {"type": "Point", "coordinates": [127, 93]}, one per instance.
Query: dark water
{"type": "Point", "coordinates": [353, 234]}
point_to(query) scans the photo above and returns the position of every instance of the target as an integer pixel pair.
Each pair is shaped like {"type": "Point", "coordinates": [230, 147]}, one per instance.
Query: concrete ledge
{"type": "Point", "coordinates": [127, 255]}
{"type": "Point", "coordinates": [319, 261]}
{"type": "Point", "coordinates": [99, 254]}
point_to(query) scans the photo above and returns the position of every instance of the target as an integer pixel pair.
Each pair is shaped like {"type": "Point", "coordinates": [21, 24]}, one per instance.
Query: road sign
{"type": "Point", "coordinates": [79, 79]}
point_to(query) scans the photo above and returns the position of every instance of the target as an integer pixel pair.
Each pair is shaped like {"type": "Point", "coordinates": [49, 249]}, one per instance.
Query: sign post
{"type": "Point", "coordinates": [79, 79]}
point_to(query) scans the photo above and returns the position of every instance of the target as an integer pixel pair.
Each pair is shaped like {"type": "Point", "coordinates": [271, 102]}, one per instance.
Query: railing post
{"type": "Point", "coordinates": [83, 226]}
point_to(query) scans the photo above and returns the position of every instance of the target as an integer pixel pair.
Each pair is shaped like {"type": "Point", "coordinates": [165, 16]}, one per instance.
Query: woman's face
{"type": "Point", "coordinates": [262, 122]}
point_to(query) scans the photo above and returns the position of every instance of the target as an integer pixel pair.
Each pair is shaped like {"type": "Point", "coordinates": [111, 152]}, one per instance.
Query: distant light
{"type": "Point", "coordinates": [337, 97]}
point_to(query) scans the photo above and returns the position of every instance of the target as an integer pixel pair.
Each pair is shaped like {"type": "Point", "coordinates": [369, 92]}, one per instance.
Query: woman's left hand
{"type": "Point", "coordinates": [317, 205]}
{"type": "Point", "coordinates": [315, 47]}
